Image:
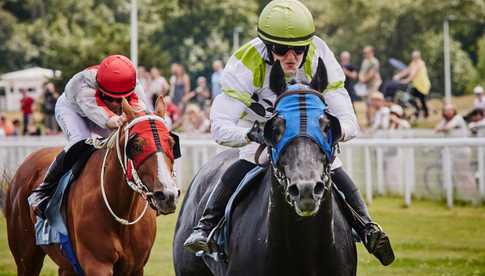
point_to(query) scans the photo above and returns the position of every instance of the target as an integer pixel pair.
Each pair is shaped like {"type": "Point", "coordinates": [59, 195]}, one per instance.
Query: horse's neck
{"type": "Point", "coordinates": [121, 197]}
{"type": "Point", "coordinates": [295, 238]}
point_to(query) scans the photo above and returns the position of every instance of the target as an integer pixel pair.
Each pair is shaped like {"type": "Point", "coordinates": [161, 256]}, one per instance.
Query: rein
{"type": "Point", "coordinates": [138, 186]}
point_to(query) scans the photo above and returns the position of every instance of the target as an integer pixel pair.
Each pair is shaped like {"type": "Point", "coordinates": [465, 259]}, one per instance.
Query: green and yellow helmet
{"type": "Point", "coordinates": [286, 22]}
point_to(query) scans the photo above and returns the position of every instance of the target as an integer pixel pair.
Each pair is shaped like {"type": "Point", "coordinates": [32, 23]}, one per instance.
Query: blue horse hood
{"type": "Point", "coordinates": [302, 113]}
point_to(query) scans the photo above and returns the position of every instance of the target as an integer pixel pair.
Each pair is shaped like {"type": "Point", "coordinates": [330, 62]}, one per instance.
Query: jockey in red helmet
{"type": "Point", "coordinates": [90, 106]}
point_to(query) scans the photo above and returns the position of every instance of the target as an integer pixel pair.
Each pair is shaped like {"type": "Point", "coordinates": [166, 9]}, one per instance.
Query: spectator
{"type": "Point", "coordinates": [380, 113]}
{"type": "Point", "coordinates": [217, 66]}
{"type": "Point", "coordinates": [16, 127]}
{"type": "Point", "coordinates": [417, 75]}
{"type": "Point", "coordinates": [35, 126]}
{"type": "Point", "coordinates": [201, 94]}
{"type": "Point", "coordinates": [194, 121]}
{"type": "Point", "coordinates": [480, 99]}
{"type": "Point", "coordinates": [477, 122]}
{"type": "Point", "coordinates": [179, 84]}
{"type": "Point", "coordinates": [369, 71]}
{"type": "Point", "coordinates": [26, 103]}
{"type": "Point", "coordinates": [173, 112]}
{"type": "Point", "coordinates": [369, 78]}
{"type": "Point", "coordinates": [49, 99]}
{"type": "Point", "coordinates": [158, 86]}
{"type": "Point", "coordinates": [143, 77]}
{"type": "Point", "coordinates": [396, 120]}
{"type": "Point", "coordinates": [452, 123]}
{"type": "Point", "coordinates": [6, 126]}
{"type": "Point", "coordinates": [350, 72]}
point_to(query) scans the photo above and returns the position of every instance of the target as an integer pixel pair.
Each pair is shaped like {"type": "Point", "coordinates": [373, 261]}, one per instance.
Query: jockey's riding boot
{"type": "Point", "coordinates": [40, 196]}
{"type": "Point", "coordinates": [215, 207]}
{"type": "Point", "coordinates": [371, 234]}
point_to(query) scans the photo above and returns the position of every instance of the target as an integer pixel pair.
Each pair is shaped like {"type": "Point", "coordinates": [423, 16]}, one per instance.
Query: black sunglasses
{"type": "Point", "coordinates": [281, 50]}
{"type": "Point", "coordinates": [107, 98]}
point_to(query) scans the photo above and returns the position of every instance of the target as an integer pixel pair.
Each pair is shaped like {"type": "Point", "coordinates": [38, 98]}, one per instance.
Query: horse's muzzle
{"type": "Point", "coordinates": [306, 197]}
{"type": "Point", "coordinates": [164, 202]}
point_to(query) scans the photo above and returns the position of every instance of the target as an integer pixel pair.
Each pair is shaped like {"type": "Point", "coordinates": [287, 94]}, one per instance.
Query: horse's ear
{"type": "Point", "coordinates": [277, 81]}
{"type": "Point", "coordinates": [160, 106]}
{"type": "Point", "coordinates": [320, 79]}
{"type": "Point", "coordinates": [128, 110]}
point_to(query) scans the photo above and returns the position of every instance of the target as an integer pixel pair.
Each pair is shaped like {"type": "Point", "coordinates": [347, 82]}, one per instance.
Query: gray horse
{"type": "Point", "coordinates": [290, 223]}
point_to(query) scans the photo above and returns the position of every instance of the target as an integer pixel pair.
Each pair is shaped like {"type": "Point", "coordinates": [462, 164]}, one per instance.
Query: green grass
{"type": "Point", "coordinates": [428, 238]}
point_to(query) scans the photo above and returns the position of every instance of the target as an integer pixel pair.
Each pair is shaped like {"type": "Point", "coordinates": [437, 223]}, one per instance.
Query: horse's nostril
{"type": "Point", "coordinates": [319, 187]}
{"type": "Point", "coordinates": [160, 195]}
{"type": "Point", "coordinates": [178, 193]}
{"type": "Point", "coordinates": [293, 191]}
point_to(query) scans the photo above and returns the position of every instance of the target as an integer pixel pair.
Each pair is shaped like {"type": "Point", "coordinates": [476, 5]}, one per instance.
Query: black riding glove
{"type": "Point", "coordinates": [255, 134]}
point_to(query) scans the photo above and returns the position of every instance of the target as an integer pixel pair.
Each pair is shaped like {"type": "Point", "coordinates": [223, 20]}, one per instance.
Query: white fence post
{"type": "Point", "coordinates": [481, 172]}
{"type": "Point", "coordinates": [409, 175]}
{"type": "Point", "coordinates": [447, 176]}
{"type": "Point", "coordinates": [368, 175]}
{"type": "Point", "coordinates": [380, 170]}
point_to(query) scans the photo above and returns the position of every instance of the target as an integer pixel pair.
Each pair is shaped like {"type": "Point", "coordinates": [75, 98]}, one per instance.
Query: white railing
{"type": "Point", "coordinates": [439, 168]}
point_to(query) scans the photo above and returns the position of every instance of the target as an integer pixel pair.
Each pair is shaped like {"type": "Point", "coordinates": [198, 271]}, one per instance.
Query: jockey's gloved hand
{"type": "Point", "coordinates": [255, 134]}
{"type": "Point", "coordinates": [115, 121]}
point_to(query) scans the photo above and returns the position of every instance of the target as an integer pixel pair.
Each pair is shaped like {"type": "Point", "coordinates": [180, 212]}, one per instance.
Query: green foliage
{"type": "Point", "coordinates": [69, 35]}
{"type": "Point", "coordinates": [481, 61]}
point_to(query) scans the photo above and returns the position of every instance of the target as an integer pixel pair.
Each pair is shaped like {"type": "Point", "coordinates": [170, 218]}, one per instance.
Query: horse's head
{"type": "Point", "coordinates": [302, 137]}
{"type": "Point", "coordinates": [150, 151]}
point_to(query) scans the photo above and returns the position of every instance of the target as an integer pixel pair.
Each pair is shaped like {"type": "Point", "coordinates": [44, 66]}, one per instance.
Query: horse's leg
{"type": "Point", "coordinates": [30, 261]}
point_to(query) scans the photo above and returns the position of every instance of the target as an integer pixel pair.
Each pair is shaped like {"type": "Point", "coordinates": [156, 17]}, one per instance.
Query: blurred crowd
{"type": "Point", "coordinates": [396, 103]}
{"type": "Point", "coordinates": [389, 105]}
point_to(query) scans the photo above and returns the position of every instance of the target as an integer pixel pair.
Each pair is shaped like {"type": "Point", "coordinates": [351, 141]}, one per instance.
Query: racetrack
{"type": "Point", "coordinates": [428, 238]}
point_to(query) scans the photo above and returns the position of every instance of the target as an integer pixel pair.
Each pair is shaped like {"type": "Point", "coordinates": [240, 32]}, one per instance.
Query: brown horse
{"type": "Point", "coordinates": [103, 245]}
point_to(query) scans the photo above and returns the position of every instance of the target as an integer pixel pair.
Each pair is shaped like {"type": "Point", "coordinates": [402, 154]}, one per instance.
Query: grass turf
{"type": "Point", "coordinates": [428, 239]}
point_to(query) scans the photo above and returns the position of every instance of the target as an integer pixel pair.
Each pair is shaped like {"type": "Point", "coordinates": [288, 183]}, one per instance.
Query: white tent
{"type": "Point", "coordinates": [30, 79]}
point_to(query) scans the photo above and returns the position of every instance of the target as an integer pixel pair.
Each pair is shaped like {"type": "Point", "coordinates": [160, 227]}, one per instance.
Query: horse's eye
{"type": "Point", "coordinates": [135, 146]}
{"type": "Point", "coordinates": [324, 124]}
{"type": "Point", "coordinates": [278, 129]}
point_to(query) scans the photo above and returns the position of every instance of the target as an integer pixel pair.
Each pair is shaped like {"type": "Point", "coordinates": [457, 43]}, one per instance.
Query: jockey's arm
{"type": "Point", "coordinates": [340, 105]}
{"type": "Point", "coordinates": [94, 109]}
{"type": "Point", "coordinates": [225, 114]}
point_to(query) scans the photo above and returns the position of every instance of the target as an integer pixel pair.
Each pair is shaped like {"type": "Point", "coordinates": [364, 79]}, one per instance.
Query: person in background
{"type": "Point", "coordinates": [16, 127]}
{"type": "Point", "coordinates": [26, 103]}
{"type": "Point", "coordinates": [479, 98]}
{"type": "Point", "coordinates": [417, 75]}
{"type": "Point", "coordinates": [201, 94]}
{"type": "Point", "coordinates": [350, 72]}
{"type": "Point", "coordinates": [158, 86]}
{"type": "Point", "coordinates": [49, 99]}
{"type": "Point", "coordinates": [396, 120]}
{"type": "Point", "coordinates": [6, 126]}
{"type": "Point", "coordinates": [217, 66]}
{"type": "Point", "coordinates": [179, 85]}
{"type": "Point", "coordinates": [143, 77]}
{"type": "Point", "coordinates": [194, 121]}
{"type": "Point", "coordinates": [452, 124]}
{"type": "Point", "coordinates": [476, 122]}
{"type": "Point", "coordinates": [369, 77]}
{"type": "Point", "coordinates": [380, 113]}
{"type": "Point", "coordinates": [173, 112]}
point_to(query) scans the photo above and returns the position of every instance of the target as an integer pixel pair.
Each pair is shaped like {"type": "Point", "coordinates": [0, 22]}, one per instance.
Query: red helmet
{"type": "Point", "coordinates": [116, 76]}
